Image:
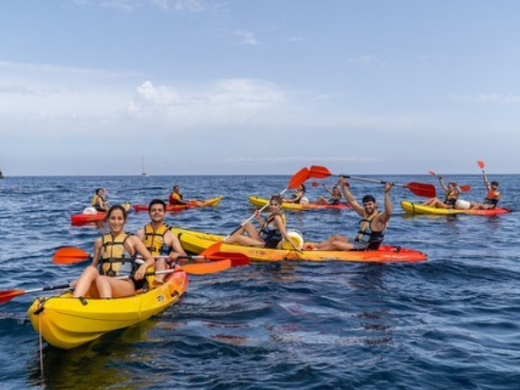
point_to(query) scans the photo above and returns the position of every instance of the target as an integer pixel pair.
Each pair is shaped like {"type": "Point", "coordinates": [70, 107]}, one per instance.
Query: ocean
{"type": "Point", "coordinates": [451, 322]}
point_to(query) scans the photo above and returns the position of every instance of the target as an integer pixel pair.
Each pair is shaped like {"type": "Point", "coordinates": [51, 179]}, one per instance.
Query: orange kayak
{"type": "Point", "coordinates": [192, 204]}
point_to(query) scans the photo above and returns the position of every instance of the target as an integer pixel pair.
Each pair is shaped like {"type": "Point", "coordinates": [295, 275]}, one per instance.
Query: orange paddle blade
{"type": "Point", "coordinates": [432, 173]}
{"type": "Point", "coordinates": [319, 172]}
{"type": "Point", "coordinates": [70, 255]}
{"type": "Point", "coordinates": [481, 164]}
{"type": "Point", "coordinates": [465, 188]}
{"type": "Point", "coordinates": [7, 295]}
{"type": "Point", "coordinates": [210, 250]}
{"type": "Point", "coordinates": [298, 178]}
{"type": "Point", "coordinates": [315, 183]}
{"type": "Point", "coordinates": [207, 268]}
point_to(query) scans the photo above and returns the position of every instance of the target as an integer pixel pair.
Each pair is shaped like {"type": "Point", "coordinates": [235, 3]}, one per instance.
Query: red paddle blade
{"type": "Point", "coordinates": [422, 189]}
{"type": "Point", "coordinates": [207, 268]}
{"type": "Point", "coordinates": [7, 295]}
{"type": "Point", "coordinates": [298, 178]}
{"type": "Point", "coordinates": [69, 255]}
{"type": "Point", "coordinates": [319, 172]}
{"type": "Point", "coordinates": [315, 184]}
{"type": "Point", "coordinates": [432, 173]}
{"type": "Point", "coordinates": [237, 259]}
{"type": "Point", "coordinates": [465, 188]}
{"type": "Point", "coordinates": [481, 164]}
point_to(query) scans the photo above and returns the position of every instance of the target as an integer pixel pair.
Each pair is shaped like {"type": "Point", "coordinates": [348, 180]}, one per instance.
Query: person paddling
{"type": "Point", "coordinates": [373, 225]}
{"type": "Point", "coordinates": [297, 196]}
{"type": "Point", "coordinates": [335, 196]}
{"type": "Point", "coordinates": [114, 254]}
{"type": "Point", "coordinates": [272, 229]}
{"type": "Point", "coordinates": [159, 240]}
{"type": "Point", "coordinates": [452, 195]}
{"type": "Point", "coordinates": [177, 199]}
{"type": "Point", "coordinates": [492, 198]}
{"type": "Point", "coordinates": [99, 202]}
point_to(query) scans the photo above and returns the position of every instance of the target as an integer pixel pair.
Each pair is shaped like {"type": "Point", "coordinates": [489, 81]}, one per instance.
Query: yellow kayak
{"type": "Point", "coordinates": [68, 322]}
{"type": "Point", "coordinates": [261, 202]}
{"type": "Point", "coordinates": [416, 208]}
{"type": "Point", "coordinates": [196, 242]}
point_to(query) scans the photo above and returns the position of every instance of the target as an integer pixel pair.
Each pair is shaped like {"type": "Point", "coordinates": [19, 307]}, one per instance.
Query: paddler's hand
{"type": "Point", "coordinates": [388, 186]}
{"type": "Point", "coordinates": [140, 273]}
{"type": "Point", "coordinates": [343, 182]}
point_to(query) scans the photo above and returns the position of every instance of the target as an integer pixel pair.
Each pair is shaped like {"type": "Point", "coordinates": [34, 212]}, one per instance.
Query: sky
{"type": "Point", "coordinates": [96, 87]}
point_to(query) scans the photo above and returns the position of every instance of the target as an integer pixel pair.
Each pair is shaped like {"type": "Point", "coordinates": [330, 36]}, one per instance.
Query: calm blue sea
{"type": "Point", "coordinates": [452, 322]}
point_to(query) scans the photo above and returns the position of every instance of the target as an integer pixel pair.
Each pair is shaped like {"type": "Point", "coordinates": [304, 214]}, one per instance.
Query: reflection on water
{"type": "Point", "coordinates": [95, 365]}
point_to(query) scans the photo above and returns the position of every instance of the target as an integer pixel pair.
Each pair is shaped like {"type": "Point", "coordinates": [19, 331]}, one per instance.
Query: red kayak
{"type": "Point", "coordinates": [91, 215]}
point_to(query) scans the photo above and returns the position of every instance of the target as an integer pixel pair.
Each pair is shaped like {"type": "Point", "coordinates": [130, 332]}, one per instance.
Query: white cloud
{"type": "Point", "coordinates": [180, 5]}
{"type": "Point", "coordinates": [497, 98]}
{"type": "Point", "coordinates": [131, 5]}
{"type": "Point", "coordinates": [247, 38]}
{"type": "Point", "coordinates": [366, 59]}
{"type": "Point", "coordinates": [224, 101]}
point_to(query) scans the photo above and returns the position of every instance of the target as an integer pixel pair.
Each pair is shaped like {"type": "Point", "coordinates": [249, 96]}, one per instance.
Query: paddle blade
{"type": "Point", "coordinates": [481, 164]}
{"type": "Point", "coordinates": [319, 172]}
{"type": "Point", "coordinates": [465, 188]}
{"type": "Point", "coordinates": [432, 173]}
{"type": "Point", "coordinates": [422, 189]}
{"type": "Point", "coordinates": [70, 255]}
{"type": "Point", "coordinates": [210, 250]}
{"type": "Point", "coordinates": [298, 178]}
{"type": "Point", "coordinates": [7, 295]}
{"type": "Point", "coordinates": [237, 259]}
{"type": "Point", "coordinates": [315, 184]}
{"type": "Point", "coordinates": [207, 268]}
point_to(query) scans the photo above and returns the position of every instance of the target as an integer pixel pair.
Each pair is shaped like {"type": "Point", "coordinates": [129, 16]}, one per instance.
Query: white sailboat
{"type": "Point", "coordinates": [143, 172]}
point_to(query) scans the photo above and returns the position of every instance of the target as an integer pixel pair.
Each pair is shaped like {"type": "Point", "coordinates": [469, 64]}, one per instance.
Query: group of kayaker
{"type": "Point", "coordinates": [453, 191]}
{"type": "Point", "coordinates": [159, 248]}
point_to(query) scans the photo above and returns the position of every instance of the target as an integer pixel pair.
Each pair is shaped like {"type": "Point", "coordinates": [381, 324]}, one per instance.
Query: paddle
{"type": "Point", "coordinates": [296, 180]}
{"type": "Point", "coordinates": [419, 189]}
{"type": "Point", "coordinates": [72, 255]}
{"type": "Point", "coordinates": [481, 164]}
{"type": "Point", "coordinates": [464, 188]}
{"type": "Point", "coordinates": [195, 269]}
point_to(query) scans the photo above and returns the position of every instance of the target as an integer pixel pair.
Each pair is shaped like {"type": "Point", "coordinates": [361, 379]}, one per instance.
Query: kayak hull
{"type": "Point", "coordinates": [259, 202]}
{"type": "Point", "coordinates": [66, 322]}
{"type": "Point", "coordinates": [82, 218]}
{"type": "Point", "coordinates": [415, 208]}
{"type": "Point", "coordinates": [206, 203]}
{"type": "Point", "coordinates": [197, 242]}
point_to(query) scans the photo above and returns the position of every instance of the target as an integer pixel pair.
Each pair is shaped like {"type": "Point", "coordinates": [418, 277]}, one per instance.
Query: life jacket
{"type": "Point", "coordinates": [175, 198]}
{"type": "Point", "coordinates": [367, 236]}
{"type": "Point", "coordinates": [492, 198]}
{"type": "Point", "coordinates": [335, 199]}
{"type": "Point", "coordinates": [451, 198]}
{"type": "Point", "coordinates": [113, 258]}
{"type": "Point", "coordinates": [96, 201]}
{"type": "Point", "coordinates": [269, 233]}
{"type": "Point", "coordinates": [154, 242]}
